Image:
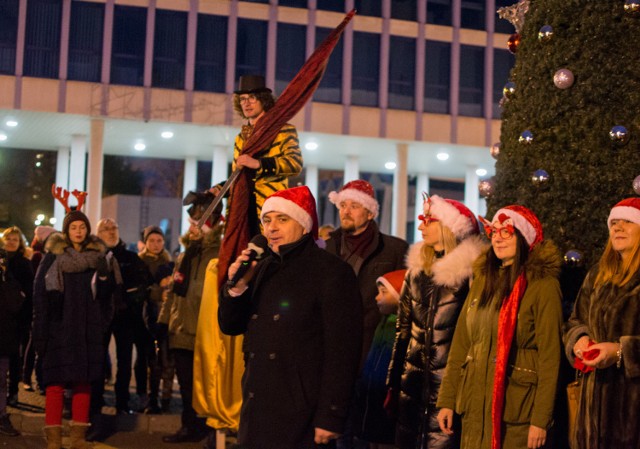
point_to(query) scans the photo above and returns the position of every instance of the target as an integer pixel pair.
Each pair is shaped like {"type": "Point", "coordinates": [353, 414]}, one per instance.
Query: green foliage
{"type": "Point", "coordinates": [598, 42]}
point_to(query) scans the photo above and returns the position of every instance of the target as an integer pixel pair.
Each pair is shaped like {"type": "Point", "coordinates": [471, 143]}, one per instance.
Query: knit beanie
{"type": "Point", "coordinates": [75, 215]}
{"type": "Point", "coordinates": [151, 230]}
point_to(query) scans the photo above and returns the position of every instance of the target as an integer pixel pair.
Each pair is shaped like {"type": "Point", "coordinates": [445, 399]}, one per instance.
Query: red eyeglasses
{"type": "Point", "coordinates": [426, 219]}
{"type": "Point", "coordinates": [505, 233]}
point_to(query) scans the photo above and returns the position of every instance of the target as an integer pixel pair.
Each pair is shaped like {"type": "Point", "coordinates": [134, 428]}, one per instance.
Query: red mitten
{"type": "Point", "coordinates": [586, 355]}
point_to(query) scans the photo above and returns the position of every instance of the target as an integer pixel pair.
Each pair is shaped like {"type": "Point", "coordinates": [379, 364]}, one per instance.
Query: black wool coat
{"type": "Point", "coordinates": [302, 319]}
{"type": "Point", "coordinates": [11, 300]}
{"type": "Point", "coordinates": [69, 326]}
{"type": "Point", "coordinates": [385, 254]}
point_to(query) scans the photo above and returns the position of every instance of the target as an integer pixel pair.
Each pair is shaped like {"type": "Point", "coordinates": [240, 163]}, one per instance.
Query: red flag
{"type": "Point", "coordinates": [292, 99]}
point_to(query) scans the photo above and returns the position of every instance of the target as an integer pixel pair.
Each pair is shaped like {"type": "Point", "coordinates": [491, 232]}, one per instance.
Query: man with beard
{"type": "Point", "coordinates": [370, 253]}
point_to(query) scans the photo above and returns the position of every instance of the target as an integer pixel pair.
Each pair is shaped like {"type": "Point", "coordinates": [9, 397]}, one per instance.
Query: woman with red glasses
{"type": "Point", "coordinates": [503, 365]}
{"type": "Point", "coordinates": [435, 288]}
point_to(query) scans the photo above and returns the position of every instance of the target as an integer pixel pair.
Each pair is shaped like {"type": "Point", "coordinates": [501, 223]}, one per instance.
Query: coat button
{"type": "Point", "coordinates": [272, 356]}
{"type": "Point", "coordinates": [252, 355]}
{"type": "Point", "coordinates": [276, 317]}
{"type": "Point", "coordinates": [251, 395]}
{"type": "Point", "coordinates": [254, 316]}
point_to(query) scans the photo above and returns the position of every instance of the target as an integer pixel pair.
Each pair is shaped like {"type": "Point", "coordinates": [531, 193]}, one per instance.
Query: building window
{"type": "Point", "coordinates": [365, 81]}
{"type": "Point", "coordinates": [330, 88]}
{"type": "Point", "coordinates": [368, 8]}
{"type": "Point", "coordinates": [129, 36]}
{"type": "Point", "coordinates": [293, 3]}
{"type": "Point", "coordinates": [472, 14]}
{"type": "Point", "coordinates": [471, 80]}
{"type": "Point", "coordinates": [437, 77]}
{"type": "Point", "coordinates": [85, 41]}
{"type": "Point", "coordinates": [405, 10]}
{"type": "Point", "coordinates": [42, 39]}
{"type": "Point", "coordinates": [402, 73]}
{"type": "Point", "coordinates": [290, 53]}
{"type": "Point", "coordinates": [8, 35]}
{"type": "Point", "coordinates": [332, 5]}
{"type": "Point", "coordinates": [169, 49]}
{"type": "Point", "coordinates": [503, 25]}
{"type": "Point", "coordinates": [503, 60]}
{"type": "Point", "coordinates": [211, 53]}
{"type": "Point", "coordinates": [439, 12]}
{"type": "Point", "coordinates": [251, 49]}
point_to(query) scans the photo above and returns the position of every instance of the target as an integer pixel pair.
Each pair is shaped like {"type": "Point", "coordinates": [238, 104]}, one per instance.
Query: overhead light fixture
{"type": "Point", "coordinates": [442, 156]}
{"type": "Point", "coordinates": [166, 134]}
{"type": "Point", "coordinates": [3, 137]}
{"type": "Point", "coordinates": [390, 165]}
{"type": "Point", "coordinates": [52, 220]}
{"type": "Point", "coordinates": [11, 123]}
{"type": "Point", "coordinates": [139, 146]}
{"type": "Point", "coordinates": [481, 172]}
{"type": "Point", "coordinates": [311, 146]}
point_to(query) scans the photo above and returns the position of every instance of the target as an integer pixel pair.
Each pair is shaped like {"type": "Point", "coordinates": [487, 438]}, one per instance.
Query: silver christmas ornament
{"type": "Point", "coordinates": [526, 137]}
{"type": "Point", "coordinates": [619, 135]}
{"type": "Point", "coordinates": [563, 79]}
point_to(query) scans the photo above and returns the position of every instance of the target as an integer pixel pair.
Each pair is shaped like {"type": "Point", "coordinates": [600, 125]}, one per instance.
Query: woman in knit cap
{"type": "Point", "coordinates": [436, 285]}
{"type": "Point", "coordinates": [503, 365]}
{"type": "Point", "coordinates": [602, 338]}
{"type": "Point", "coordinates": [72, 310]}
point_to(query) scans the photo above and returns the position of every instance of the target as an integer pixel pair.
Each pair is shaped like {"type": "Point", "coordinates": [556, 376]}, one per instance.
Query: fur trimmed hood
{"type": "Point", "coordinates": [454, 268]}
{"type": "Point", "coordinates": [57, 244]}
{"type": "Point", "coordinates": [544, 261]}
{"type": "Point", "coordinates": [164, 256]}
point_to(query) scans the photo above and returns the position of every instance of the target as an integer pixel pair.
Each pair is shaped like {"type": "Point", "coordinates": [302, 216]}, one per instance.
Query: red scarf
{"type": "Point", "coordinates": [507, 321]}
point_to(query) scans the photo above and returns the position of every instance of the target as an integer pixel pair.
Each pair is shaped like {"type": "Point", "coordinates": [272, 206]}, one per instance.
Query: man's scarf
{"type": "Point", "coordinates": [292, 99]}
{"type": "Point", "coordinates": [507, 320]}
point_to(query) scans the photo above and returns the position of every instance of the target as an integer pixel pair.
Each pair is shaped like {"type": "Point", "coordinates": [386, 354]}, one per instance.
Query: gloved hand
{"type": "Point", "coordinates": [162, 330]}
{"type": "Point", "coordinates": [390, 404]}
{"type": "Point", "coordinates": [102, 268]}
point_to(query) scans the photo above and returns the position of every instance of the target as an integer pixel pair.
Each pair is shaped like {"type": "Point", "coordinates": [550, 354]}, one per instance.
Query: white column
{"type": "Point", "coordinates": [189, 183]}
{"type": "Point", "coordinates": [422, 185]}
{"type": "Point", "coordinates": [94, 177]}
{"type": "Point", "coordinates": [77, 167]}
{"type": "Point", "coordinates": [351, 169]}
{"type": "Point", "coordinates": [471, 196]}
{"type": "Point", "coordinates": [62, 180]}
{"type": "Point", "coordinates": [400, 192]}
{"type": "Point", "coordinates": [220, 168]}
{"type": "Point", "coordinates": [311, 181]}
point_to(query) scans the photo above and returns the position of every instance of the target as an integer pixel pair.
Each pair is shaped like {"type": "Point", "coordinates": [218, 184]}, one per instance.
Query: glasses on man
{"type": "Point", "coordinates": [505, 232]}
{"type": "Point", "coordinates": [426, 219]}
{"type": "Point", "coordinates": [248, 99]}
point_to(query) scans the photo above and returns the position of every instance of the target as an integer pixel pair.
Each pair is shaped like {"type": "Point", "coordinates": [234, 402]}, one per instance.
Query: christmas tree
{"type": "Point", "coordinates": [570, 139]}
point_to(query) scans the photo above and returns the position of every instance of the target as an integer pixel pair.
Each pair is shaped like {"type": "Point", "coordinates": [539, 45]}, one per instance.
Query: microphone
{"type": "Point", "coordinates": [257, 245]}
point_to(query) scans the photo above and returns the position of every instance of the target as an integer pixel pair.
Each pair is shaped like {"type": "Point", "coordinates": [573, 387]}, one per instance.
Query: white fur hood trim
{"type": "Point", "coordinates": [454, 268]}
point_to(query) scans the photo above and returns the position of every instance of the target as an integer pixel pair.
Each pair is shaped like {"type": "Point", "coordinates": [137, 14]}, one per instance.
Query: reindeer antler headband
{"type": "Point", "coordinates": [62, 195]}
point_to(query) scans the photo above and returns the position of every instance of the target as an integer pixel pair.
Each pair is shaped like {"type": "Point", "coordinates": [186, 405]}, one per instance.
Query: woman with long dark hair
{"type": "Point", "coordinates": [603, 334]}
{"type": "Point", "coordinates": [503, 365]}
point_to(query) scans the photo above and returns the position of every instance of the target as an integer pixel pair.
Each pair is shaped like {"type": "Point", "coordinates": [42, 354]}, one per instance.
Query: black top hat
{"type": "Point", "coordinates": [251, 84]}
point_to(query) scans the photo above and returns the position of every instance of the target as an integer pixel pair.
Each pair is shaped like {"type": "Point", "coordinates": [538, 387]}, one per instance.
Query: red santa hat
{"type": "Point", "coordinates": [523, 219]}
{"type": "Point", "coordinates": [393, 281]}
{"type": "Point", "coordinates": [627, 209]}
{"type": "Point", "coordinates": [359, 191]}
{"type": "Point", "coordinates": [452, 214]}
{"type": "Point", "coordinates": [296, 202]}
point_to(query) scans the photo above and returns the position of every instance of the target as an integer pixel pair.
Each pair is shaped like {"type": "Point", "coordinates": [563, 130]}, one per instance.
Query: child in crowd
{"type": "Point", "coordinates": [372, 422]}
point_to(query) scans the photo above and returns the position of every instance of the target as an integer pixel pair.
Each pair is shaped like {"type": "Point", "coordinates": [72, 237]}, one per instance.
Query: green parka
{"type": "Point", "coordinates": [532, 371]}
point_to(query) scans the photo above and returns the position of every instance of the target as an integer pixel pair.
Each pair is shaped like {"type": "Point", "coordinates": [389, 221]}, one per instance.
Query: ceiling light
{"type": "Point", "coordinates": [3, 137]}
{"type": "Point", "coordinates": [442, 156]}
{"type": "Point", "coordinates": [11, 123]}
{"type": "Point", "coordinates": [390, 165]}
{"type": "Point", "coordinates": [139, 146]}
{"type": "Point", "coordinates": [166, 134]}
{"type": "Point", "coordinates": [481, 172]}
{"type": "Point", "coordinates": [311, 146]}
{"type": "Point", "coordinates": [52, 220]}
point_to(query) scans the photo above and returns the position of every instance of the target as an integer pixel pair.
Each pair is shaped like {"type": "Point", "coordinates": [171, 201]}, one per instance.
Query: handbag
{"type": "Point", "coordinates": [573, 401]}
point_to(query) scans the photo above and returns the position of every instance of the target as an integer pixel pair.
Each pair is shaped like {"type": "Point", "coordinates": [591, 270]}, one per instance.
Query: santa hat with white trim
{"type": "Point", "coordinates": [359, 191]}
{"type": "Point", "coordinates": [524, 220]}
{"type": "Point", "coordinates": [452, 214]}
{"type": "Point", "coordinates": [393, 281]}
{"type": "Point", "coordinates": [627, 209]}
{"type": "Point", "coordinates": [296, 202]}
